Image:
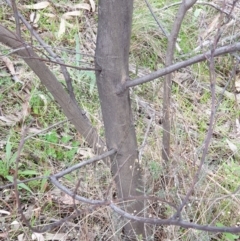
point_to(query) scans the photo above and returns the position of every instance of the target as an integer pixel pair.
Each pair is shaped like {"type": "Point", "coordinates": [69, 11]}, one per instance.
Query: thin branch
{"type": "Point", "coordinates": [73, 194]}
{"type": "Point", "coordinates": [199, 3]}
{"type": "Point", "coordinates": [66, 65]}
{"type": "Point", "coordinates": [144, 142]}
{"type": "Point", "coordinates": [212, 118]}
{"type": "Point", "coordinates": [207, 139]}
{"type": "Point", "coordinates": [54, 178]}
{"type": "Point", "coordinates": [84, 163]}
{"type": "Point", "coordinates": [183, 224]}
{"type": "Point", "coordinates": [208, 43]}
{"type": "Point", "coordinates": [167, 87]}
{"type": "Point", "coordinates": [155, 18]}
{"type": "Point", "coordinates": [23, 181]}
{"type": "Point", "coordinates": [12, 51]}
{"type": "Point", "coordinates": [68, 50]}
{"type": "Point", "coordinates": [16, 16]}
{"type": "Point", "coordinates": [46, 129]}
{"type": "Point", "coordinates": [20, 147]}
{"type": "Point", "coordinates": [165, 32]}
{"type": "Point", "coordinates": [196, 59]}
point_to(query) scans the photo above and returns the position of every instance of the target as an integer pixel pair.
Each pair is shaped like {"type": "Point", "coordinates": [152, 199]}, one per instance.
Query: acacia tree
{"type": "Point", "coordinates": [113, 82]}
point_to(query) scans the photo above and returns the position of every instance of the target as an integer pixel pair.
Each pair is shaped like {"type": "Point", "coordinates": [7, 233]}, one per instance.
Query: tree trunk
{"type": "Point", "coordinates": [112, 53]}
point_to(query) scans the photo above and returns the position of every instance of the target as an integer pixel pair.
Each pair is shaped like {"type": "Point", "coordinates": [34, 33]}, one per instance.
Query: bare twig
{"type": "Point", "coordinates": [155, 18]}
{"type": "Point", "coordinates": [211, 122]}
{"type": "Point", "coordinates": [23, 181]}
{"type": "Point", "coordinates": [208, 43]}
{"type": "Point", "coordinates": [183, 224]}
{"type": "Point", "coordinates": [16, 16]}
{"type": "Point", "coordinates": [165, 32]}
{"type": "Point", "coordinates": [79, 165]}
{"type": "Point", "coordinates": [186, 4]}
{"type": "Point", "coordinates": [54, 178]}
{"type": "Point", "coordinates": [46, 129]}
{"type": "Point", "coordinates": [199, 3]}
{"type": "Point", "coordinates": [171, 68]}
{"type": "Point", "coordinates": [20, 147]}
{"type": "Point", "coordinates": [144, 142]}
{"type": "Point", "coordinates": [65, 65]}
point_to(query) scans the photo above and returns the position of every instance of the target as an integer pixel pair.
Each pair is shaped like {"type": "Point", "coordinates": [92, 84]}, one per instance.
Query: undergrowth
{"type": "Point", "coordinates": [49, 150]}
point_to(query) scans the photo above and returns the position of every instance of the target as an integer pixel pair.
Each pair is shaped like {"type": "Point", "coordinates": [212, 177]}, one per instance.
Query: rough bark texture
{"type": "Point", "coordinates": [48, 79]}
{"type": "Point", "coordinates": [112, 53]}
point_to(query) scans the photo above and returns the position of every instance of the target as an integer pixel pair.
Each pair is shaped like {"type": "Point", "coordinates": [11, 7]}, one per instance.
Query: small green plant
{"type": "Point", "coordinates": [8, 163]}
{"type": "Point", "coordinates": [37, 104]}
{"type": "Point", "coordinates": [55, 143]}
{"type": "Point", "coordinates": [228, 236]}
{"type": "Point", "coordinates": [231, 173]}
{"type": "Point", "coordinates": [155, 169]}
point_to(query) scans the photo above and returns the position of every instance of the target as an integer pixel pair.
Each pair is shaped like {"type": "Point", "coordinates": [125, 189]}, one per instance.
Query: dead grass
{"type": "Point", "coordinates": [213, 201]}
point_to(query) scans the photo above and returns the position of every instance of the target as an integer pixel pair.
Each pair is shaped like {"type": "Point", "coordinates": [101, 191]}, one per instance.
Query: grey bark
{"type": "Point", "coordinates": [112, 53]}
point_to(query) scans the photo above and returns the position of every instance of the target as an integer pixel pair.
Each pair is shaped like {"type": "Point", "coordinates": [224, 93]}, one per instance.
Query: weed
{"type": "Point", "coordinates": [7, 167]}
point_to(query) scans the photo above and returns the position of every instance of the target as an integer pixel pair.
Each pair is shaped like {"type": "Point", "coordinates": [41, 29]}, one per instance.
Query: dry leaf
{"type": "Point", "coordinates": [50, 15]}
{"type": "Point", "coordinates": [69, 24]}
{"type": "Point", "coordinates": [34, 17]}
{"type": "Point", "coordinates": [3, 235]}
{"type": "Point", "coordinates": [4, 212]}
{"type": "Point", "coordinates": [81, 6]}
{"type": "Point", "coordinates": [238, 127]}
{"type": "Point", "coordinates": [93, 5]}
{"type": "Point", "coordinates": [18, 116]}
{"type": "Point", "coordinates": [37, 6]}
{"type": "Point", "coordinates": [69, 15]}
{"type": "Point", "coordinates": [237, 83]}
{"type": "Point", "coordinates": [26, 109]}
{"type": "Point", "coordinates": [15, 225]}
{"type": "Point", "coordinates": [212, 26]}
{"type": "Point", "coordinates": [66, 199]}
{"type": "Point", "coordinates": [9, 65]}
{"type": "Point", "coordinates": [29, 212]}
{"type": "Point", "coordinates": [7, 121]}
{"type": "Point", "coordinates": [232, 146]}
{"type": "Point", "coordinates": [62, 28]}
{"type": "Point", "coordinates": [38, 237]}
{"type": "Point", "coordinates": [34, 130]}
{"type": "Point", "coordinates": [85, 153]}
{"type": "Point", "coordinates": [57, 236]}
{"type": "Point", "coordinates": [11, 68]}
{"type": "Point", "coordinates": [21, 237]}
